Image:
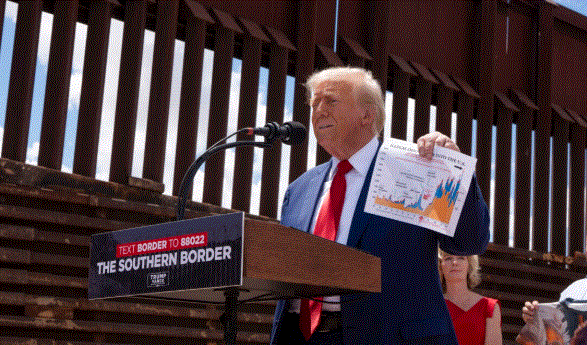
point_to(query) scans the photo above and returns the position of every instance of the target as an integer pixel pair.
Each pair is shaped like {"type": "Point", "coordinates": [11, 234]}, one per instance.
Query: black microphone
{"type": "Point", "coordinates": [291, 133]}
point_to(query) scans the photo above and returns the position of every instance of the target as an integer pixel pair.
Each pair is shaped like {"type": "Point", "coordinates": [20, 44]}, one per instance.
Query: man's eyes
{"type": "Point", "coordinates": [327, 101]}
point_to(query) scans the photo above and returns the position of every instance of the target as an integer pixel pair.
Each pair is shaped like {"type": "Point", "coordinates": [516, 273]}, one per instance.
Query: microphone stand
{"type": "Point", "coordinates": [229, 318]}
{"type": "Point", "coordinates": [191, 172]}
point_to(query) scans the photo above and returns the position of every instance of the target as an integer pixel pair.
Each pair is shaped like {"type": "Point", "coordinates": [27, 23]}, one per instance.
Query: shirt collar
{"type": "Point", "coordinates": [361, 160]}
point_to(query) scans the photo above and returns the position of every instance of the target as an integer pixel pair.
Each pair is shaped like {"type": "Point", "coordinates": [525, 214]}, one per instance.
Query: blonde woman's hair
{"type": "Point", "coordinates": [473, 274]}
{"type": "Point", "coordinates": [366, 89]}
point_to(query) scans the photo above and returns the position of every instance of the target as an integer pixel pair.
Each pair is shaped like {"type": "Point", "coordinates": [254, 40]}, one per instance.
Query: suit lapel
{"type": "Point", "coordinates": [360, 218]}
{"type": "Point", "coordinates": [313, 196]}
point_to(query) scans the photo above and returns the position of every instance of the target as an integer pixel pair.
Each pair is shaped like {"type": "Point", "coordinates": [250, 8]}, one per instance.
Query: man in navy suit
{"type": "Point", "coordinates": [347, 117]}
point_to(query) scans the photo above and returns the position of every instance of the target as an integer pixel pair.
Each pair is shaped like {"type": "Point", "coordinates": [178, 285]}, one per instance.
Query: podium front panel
{"type": "Point", "coordinates": [265, 260]}
{"type": "Point", "coordinates": [192, 254]}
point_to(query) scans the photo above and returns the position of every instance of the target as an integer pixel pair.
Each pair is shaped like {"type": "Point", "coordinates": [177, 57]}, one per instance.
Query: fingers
{"type": "Point", "coordinates": [427, 142]}
{"type": "Point", "coordinates": [529, 307]}
{"type": "Point", "coordinates": [528, 310]}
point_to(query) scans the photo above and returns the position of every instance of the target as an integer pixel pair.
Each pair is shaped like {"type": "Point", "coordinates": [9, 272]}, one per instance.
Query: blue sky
{"type": "Point", "coordinates": [109, 104]}
{"type": "Point", "coordinates": [579, 6]}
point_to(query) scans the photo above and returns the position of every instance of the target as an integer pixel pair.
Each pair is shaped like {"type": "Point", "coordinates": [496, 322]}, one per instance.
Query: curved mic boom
{"type": "Point", "coordinates": [290, 133]}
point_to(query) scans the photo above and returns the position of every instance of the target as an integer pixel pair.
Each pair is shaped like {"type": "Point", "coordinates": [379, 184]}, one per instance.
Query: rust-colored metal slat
{"type": "Point", "coordinates": [125, 120]}
{"type": "Point", "coordinates": [523, 144]}
{"type": "Point", "coordinates": [560, 141]}
{"type": "Point", "coordinates": [578, 135]}
{"type": "Point", "coordinates": [22, 77]}
{"type": "Point", "coordinates": [247, 113]}
{"type": "Point", "coordinates": [92, 93]}
{"type": "Point", "coordinates": [57, 88]}
{"type": "Point", "coordinates": [275, 107]}
{"type": "Point", "coordinates": [543, 124]}
{"type": "Point", "coordinates": [191, 87]}
{"type": "Point", "coordinates": [226, 28]}
{"type": "Point", "coordinates": [158, 115]}
{"type": "Point", "coordinates": [501, 201]}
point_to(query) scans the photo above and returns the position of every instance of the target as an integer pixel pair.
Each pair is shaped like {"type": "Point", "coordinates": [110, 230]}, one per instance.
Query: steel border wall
{"type": "Point", "coordinates": [514, 69]}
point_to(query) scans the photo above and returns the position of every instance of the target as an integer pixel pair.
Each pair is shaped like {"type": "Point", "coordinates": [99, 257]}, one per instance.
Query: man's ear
{"type": "Point", "coordinates": [369, 114]}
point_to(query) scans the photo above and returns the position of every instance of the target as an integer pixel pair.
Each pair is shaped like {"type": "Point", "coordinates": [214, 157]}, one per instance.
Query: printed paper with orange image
{"type": "Point", "coordinates": [553, 324]}
{"type": "Point", "coordinates": [411, 189]}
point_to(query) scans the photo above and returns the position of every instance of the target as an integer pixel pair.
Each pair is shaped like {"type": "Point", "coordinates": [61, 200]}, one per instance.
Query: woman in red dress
{"type": "Point", "coordinates": [476, 318]}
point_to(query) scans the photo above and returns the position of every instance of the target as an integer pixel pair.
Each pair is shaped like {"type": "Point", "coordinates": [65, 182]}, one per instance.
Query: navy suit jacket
{"type": "Point", "coordinates": [410, 305]}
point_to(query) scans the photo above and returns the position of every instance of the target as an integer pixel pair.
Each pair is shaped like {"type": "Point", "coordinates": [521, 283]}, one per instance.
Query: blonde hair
{"type": "Point", "coordinates": [473, 274]}
{"type": "Point", "coordinates": [366, 89]}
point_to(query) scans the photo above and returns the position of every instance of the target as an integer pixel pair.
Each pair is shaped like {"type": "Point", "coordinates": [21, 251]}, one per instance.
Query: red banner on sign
{"type": "Point", "coordinates": [162, 244]}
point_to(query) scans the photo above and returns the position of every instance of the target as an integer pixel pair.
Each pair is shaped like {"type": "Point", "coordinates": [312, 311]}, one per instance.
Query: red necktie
{"type": "Point", "coordinates": [326, 226]}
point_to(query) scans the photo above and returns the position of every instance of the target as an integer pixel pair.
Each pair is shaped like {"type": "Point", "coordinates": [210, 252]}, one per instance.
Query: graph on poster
{"type": "Point", "coordinates": [412, 189]}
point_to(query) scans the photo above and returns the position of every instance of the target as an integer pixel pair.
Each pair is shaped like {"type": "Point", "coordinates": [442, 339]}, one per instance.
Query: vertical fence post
{"type": "Point", "coordinates": [503, 158]}
{"type": "Point", "coordinates": [424, 83]}
{"type": "Point", "coordinates": [158, 116]}
{"type": "Point", "coordinates": [127, 100]}
{"type": "Point", "coordinates": [577, 185]}
{"type": "Point", "coordinates": [486, 69]}
{"type": "Point", "coordinates": [22, 79]}
{"type": "Point", "coordinates": [278, 61]}
{"type": "Point", "coordinates": [402, 73]}
{"type": "Point", "coordinates": [465, 109]}
{"type": "Point", "coordinates": [543, 123]}
{"type": "Point", "coordinates": [226, 28]}
{"type": "Point", "coordinates": [57, 88]}
{"type": "Point", "coordinates": [524, 122]}
{"type": "Point", "coordinates": [92, 93]}
{"type": "Point", "coordinates": [559, 188]}
{"type": "Point", "coordinates": [191, 87]}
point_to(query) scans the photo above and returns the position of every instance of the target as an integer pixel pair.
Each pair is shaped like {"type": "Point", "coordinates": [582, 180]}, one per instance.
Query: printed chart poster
{"type": "Point", "coordinates": [414, 190]}
{"type": "Point", "coordinates": [189, 254]}
{"type": "Point", "coordinates": [555, 323]}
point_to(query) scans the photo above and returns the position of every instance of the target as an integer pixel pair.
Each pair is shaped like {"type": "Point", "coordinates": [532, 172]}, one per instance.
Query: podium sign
{"type": "Point", "coordinates": [199, 253]}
